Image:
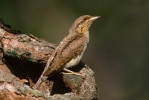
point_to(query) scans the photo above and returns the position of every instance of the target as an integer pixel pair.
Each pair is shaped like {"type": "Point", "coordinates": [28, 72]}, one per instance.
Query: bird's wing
{"type": "Point", "coordinates": [65, 51]}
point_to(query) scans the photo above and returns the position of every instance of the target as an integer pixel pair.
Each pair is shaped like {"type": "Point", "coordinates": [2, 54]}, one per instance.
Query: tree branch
{"type": "Point", "coordinates": [22, 60]}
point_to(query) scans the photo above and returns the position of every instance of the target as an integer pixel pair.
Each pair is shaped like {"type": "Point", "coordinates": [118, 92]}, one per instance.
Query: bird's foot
{"type": "Point", "coordinates": [71, 72]}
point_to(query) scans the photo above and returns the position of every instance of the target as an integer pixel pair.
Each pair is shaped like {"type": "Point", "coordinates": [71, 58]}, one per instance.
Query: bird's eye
{"type": "Point", "coordinates": [85, 18]}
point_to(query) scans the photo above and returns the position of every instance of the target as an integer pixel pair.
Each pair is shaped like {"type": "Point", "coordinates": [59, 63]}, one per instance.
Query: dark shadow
{"type": "Point", "coordinates": [59, 86]}
{"type": "Point", "coordinates": [24, 69]}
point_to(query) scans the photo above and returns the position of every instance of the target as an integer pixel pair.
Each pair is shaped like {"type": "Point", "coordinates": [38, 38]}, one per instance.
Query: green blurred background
{"type": "Point", "coordinates": [118, 52]}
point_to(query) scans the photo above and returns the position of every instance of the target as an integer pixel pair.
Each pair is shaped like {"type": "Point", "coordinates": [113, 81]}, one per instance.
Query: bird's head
{"type": "Point", "coordinates": [83, 23]}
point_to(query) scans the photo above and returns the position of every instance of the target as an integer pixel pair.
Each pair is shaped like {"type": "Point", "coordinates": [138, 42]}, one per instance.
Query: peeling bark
{"type": "Point", "coordinates": [22, 60]}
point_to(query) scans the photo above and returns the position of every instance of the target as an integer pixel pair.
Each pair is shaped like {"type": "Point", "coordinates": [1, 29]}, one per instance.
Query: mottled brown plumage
{"type": "Point", "coordinates": [70, 50]}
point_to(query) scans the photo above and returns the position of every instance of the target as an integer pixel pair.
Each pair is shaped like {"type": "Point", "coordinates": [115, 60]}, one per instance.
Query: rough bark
{"type": "Point", "coordinates": [22, 60]}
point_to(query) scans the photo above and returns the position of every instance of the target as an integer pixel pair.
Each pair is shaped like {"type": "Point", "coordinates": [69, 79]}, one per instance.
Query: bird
{"type": "Point", "coordinates": [70, 50]}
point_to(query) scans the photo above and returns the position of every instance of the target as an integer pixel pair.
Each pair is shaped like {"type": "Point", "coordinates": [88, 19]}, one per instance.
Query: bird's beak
{"type": "Point", "coordinates": [94, 17]}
